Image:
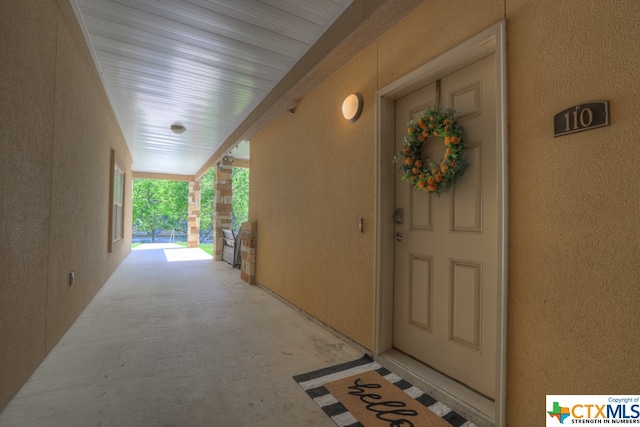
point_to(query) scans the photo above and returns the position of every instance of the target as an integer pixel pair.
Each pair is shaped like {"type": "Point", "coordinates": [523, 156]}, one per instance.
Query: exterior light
{"type": "Point", "coordinates": [352, 107]}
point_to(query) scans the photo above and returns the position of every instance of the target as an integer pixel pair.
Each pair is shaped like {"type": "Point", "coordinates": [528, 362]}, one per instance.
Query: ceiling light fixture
{"type": "Point", "coordinates": [178, 128]}
{"type": "Point", "coordinates": [352, 107]}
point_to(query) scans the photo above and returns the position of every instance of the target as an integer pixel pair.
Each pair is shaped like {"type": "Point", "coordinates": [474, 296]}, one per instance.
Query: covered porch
{"type": "Point", "coordinates": [176, 339]}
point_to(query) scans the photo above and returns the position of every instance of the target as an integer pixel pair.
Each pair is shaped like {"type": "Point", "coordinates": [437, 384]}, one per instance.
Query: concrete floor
{"type": "Point", "coordinates": [176, 339]}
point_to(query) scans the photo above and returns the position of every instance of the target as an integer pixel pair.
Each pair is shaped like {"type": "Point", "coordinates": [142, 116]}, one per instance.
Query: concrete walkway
{"type": "Point", "coordinates": [176, 339]}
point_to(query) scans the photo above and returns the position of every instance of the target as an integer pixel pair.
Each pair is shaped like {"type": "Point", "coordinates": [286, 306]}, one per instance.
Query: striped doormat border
{"type": "Point", "coordinates": [313, 384]}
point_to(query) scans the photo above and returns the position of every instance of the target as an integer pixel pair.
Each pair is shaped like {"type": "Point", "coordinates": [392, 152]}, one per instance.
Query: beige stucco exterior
{"type": "Point", "coordinates": [57, 134]}
{"type": "Point", "coordinates": [574, 238]}
{"type": "Point", "coordinates": [320, 182]}
{"type": "Point", "coordinates": [573, 235]}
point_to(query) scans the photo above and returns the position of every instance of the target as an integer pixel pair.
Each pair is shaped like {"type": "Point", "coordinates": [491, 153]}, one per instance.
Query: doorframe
{"type": "Point", "coordinates": [490, 41]}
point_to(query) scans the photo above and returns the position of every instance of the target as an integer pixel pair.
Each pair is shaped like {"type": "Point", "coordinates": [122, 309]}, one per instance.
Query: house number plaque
{"type": "Point", "coordinates": [581, 117]}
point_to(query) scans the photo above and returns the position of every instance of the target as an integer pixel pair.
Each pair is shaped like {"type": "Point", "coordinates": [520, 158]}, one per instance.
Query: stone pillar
{"type": "Point", "coordinates": [222, 207]}
{"type": "Point", "coordinates": [248, 244]}
{"type": "Point", "coordinates": [193, 228]}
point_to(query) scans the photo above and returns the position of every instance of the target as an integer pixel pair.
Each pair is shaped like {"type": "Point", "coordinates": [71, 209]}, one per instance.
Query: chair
{"type": "Point", "coordinates": [230, 248]}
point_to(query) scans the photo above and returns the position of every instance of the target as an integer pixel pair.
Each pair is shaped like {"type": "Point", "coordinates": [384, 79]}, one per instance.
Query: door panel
{"type": "Point", "coordinates": [421, 212]}
{"type": "Point", "coordinates": [466, 200]}
{"type": "Point", "coordinates": [465, 304]}
{"type": "Point", "coordinates": [445, 277]}
{"type": "Point", "coordinates": [420, 300]}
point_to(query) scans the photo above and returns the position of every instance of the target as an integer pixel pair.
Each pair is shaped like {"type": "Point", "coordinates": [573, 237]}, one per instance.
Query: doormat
{"type": "Point", "coordinates": [363, 393]}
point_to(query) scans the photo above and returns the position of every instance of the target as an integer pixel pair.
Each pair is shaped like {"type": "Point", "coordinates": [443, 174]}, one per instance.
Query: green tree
{"type": "Point", "coordinates": [240, 202]}
{"type": "Point", "coordinates": [159, 205]}
{"type": "Point", "coordinates": [207, 196]}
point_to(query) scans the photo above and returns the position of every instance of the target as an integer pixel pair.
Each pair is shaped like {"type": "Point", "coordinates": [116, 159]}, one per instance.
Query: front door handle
{"type": "Point", "coordinates": [398, 236]}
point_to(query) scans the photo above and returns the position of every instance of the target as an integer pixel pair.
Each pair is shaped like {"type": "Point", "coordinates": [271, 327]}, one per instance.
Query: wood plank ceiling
{"type": "Point", "coordinates": [202, 64]}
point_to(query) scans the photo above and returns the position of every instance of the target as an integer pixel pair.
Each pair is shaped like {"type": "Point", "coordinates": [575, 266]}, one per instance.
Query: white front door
{"type": "Point", "coordinates": [446, 267]}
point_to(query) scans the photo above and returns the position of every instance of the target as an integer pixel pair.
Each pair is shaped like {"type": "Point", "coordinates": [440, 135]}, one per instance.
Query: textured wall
{"type": "Point", "coordinates": [56, 138]}
{"type": "Point", "coordinates": [431, 30]}
{"type": "Point", "coordinates": [311, 182]}
{"type": "Point", "coordinates": [27, 84]}
{"type": "Point", "coordinates": [574, 235]}
{"type": "Point", "coordinates": [313, 177]}
{"type": "Point", "coordinates": [574, 238]}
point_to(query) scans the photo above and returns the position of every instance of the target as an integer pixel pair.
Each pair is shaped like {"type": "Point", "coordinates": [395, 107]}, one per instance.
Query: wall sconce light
{"type": "Point", "coordinates": [178, 128]}
{"type": "Point", "coordinates": [292, 109]}
{"type": "Point", "coordinates": [352, 107]}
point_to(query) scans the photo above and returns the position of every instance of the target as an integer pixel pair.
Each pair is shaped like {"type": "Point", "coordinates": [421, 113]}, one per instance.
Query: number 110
{"type": "Point", "coordinates": [577, 120]}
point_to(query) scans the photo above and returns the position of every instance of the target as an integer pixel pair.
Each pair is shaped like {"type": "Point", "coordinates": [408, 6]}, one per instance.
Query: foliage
{"type": "Point", "coordinates": [159, 205]}
{"type": "Point", "coordinates": [207, 247]}
{"type": "Point", "coordinates": [240, 202]}
{"type": "Point", "coordinates": [439, 175]}
{"type": "Point", "coordinates": [163, 205]}
{"type": "Point", "coordinates": [207, 193]}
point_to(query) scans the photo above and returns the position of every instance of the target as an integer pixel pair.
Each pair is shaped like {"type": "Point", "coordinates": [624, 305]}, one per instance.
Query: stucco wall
{"type": "Point", "coordinates": [574, 238]}
{"type": "Point", "coordinates": [313, 177]}
{"type": "Point", "coordinates": [311, 182]}
{"type": "Point", "coordinates": [56, 137]}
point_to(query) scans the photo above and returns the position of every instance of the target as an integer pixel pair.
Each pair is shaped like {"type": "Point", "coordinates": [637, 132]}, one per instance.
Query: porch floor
{"type": "Point", "coordinates": [175, 339]}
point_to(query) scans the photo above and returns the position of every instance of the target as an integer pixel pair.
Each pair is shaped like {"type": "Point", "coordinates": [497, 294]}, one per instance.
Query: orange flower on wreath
{"type": "Point", "coordinates": [438, 176]}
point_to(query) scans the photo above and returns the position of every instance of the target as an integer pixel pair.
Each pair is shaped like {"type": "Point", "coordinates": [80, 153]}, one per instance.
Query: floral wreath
{"type": "Point", "coordinates": [436, 177]}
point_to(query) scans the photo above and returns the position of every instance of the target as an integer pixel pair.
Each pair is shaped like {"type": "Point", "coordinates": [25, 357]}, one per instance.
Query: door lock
{"type": "Point", "coordinates": [398, 236]}
{"type": "Point", "coordinates": [398, 216]}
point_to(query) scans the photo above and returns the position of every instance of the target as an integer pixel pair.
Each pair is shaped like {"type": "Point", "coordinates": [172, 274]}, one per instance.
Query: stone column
{"type": "Point", "coordinates": [193, 228]}
{"type": "Point", "coordinates": [248, 244]}
{"type": "Point", "coordinates": [222, 207]}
